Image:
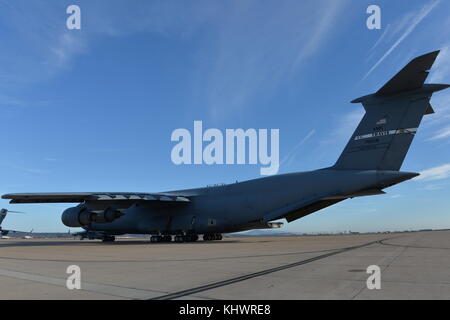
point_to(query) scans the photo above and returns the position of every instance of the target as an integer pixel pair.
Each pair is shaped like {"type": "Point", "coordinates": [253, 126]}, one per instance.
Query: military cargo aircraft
{"type": "Point", "coordinates": [3, 213]}
{"type": "Point", "coordinates": [370, 163]}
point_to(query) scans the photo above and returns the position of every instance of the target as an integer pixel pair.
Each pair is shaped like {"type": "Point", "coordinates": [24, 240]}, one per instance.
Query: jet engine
{"type": "Point", "coordinates": [81, 216]}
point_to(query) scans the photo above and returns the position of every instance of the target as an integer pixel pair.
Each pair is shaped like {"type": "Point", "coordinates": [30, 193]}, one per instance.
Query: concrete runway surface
{"type": "Point", "coordinates": [414, 265]}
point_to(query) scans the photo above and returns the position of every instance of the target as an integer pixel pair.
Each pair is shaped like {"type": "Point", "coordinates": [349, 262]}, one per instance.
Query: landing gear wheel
{"type": "Point", "coordinates": [179, 239]}
{"type": "Point", "coordinates": [212, 237]}
{"type": "Point", "coordinates": [155, 239]}
{"type": "Point", "coordinates": [109, 239]}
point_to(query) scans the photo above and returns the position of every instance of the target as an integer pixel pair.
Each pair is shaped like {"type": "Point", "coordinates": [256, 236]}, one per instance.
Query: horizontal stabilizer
{"type": "Point", "coordinates": [429, 110]}
{"type": "Point", "coordinates": [411, 77]}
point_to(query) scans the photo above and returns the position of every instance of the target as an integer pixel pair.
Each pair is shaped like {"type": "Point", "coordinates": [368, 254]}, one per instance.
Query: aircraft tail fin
{"type": "Point", "coordinates": [393, 115]}
{"type": "Point", "coordinates": [3, 213]}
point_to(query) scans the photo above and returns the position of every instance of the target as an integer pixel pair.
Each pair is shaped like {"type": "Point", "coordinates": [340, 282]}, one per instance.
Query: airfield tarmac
{"type": "Point", "coordinates": [414, 265]}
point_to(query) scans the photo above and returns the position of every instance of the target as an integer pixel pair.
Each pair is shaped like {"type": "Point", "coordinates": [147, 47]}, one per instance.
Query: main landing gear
{"type": "Point", "coordinates": [166, 238]}
{"type": "Point", "coordinates": [177, 238]}
{"type": "Point", "coordinates": [186, 238]}
{"type": "Point", "coordinates": [107, 238]}
{"type": "Point", "coordinates": [212, 236]}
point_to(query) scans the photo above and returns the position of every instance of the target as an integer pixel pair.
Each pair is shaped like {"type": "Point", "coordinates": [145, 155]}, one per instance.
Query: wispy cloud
{"type": "Point", "coordinates": [441, 68]}
{"type": "Point", "coordinates": [441, 134]}
{"type": "Point", "coordinates": [24, 169]}
{"type": "Point", "coordinates": [40, 45]}
{"type": "Point", "coordinates": [439, 124]}
{"type": "Point", "coordinates": [381, 38]}
{"type": "Point", "coordinates": [256, 49]}
{"type": "Point", "coordinates": [432, 187]}
{"type": "Point", "coordinates": [346, 125]}
{"type": "Point", "coordinates": [246, 38]}
{"type": "Point", "coordinates": [412, 24]}
{"type": "Point", "coordinates": [291, 155]}
{"type": "Point", "coordinates": [65, 48]}
{"type": "Point", "coordinates": [435, 173]}
{"type": "Point", "coordinates": [320, 31]}
{"type": "Point", "coordinates": [6, 100]}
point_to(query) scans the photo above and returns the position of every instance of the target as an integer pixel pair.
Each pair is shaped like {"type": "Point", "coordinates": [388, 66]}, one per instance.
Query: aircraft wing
{"type": "Point", "coordinates": [78, 197]}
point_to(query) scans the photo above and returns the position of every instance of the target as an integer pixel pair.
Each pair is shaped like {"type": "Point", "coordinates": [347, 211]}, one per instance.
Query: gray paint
{"type": "Point", "coordinates": [369, 163]}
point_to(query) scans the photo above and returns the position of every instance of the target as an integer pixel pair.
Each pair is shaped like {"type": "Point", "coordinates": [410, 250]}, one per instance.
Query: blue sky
{"type": "Point", "coordinates": [94, 109]}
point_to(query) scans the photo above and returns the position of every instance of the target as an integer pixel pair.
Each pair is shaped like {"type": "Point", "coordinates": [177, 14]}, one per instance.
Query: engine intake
{"type": "Point", "coordinates": [80, 216]}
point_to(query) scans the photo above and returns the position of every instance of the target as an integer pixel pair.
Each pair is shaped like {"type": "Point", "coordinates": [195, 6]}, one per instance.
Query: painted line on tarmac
{"type": "Point", "coordinates": [118, 291]}
{"type": "Point", "coordinates": [223, 283]}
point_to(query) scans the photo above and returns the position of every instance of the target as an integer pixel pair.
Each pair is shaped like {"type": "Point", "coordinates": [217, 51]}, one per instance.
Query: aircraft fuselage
{"type": "Point", "coordinates": [245, 205]}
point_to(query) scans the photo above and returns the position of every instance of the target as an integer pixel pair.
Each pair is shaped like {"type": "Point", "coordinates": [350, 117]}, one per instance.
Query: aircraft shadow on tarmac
{"type": "Point", "coordinates": [13, 243]}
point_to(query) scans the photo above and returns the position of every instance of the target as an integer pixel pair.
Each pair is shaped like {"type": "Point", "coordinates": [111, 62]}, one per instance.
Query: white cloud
{"type": "Point", "coordinates": [321, 30]}
{"type": "Point", "coordinates": [441, 68]}
{"type": "Point", "coordinates": [379, 41]}
{"type": "Point", "coordinates": [346, 125]}
{"type": "Point", "coordinates": [262, 43]}
{"type": "Point", "coordinates": [435, 173]}
{"type": "Point", "coordinates": [291, 155]}
{"type": "Point", "coordinates": [26, 169]}
{"type": "Point", "coordinates": [432, 187]}
{"type": "Point", "coordinates": [441, 134]}
{"type": "Point", "coordinates": [256, 47]}
{"type": "Point", "coordinates": [6, 100]}
{"type": "Point", "coordinates": [410, 26]}
{"type": "Point", "coordinates": [67, 46]}
{"type": "Point", "coordinates": [39, 45]}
